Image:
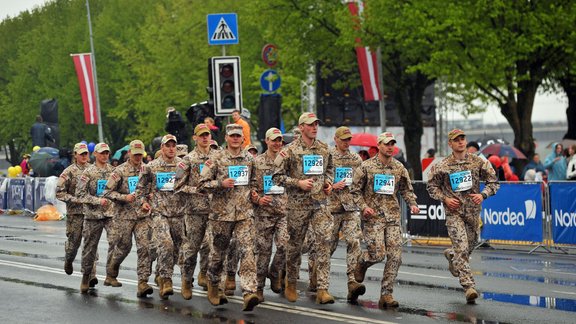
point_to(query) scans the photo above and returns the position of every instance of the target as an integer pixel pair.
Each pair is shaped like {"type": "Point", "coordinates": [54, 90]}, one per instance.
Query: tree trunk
{"type": "Point", "coordinates": [568, 83]}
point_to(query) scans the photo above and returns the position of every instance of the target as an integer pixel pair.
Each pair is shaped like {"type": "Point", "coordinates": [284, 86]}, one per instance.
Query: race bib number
{"type": "Point", "coordinates": [100, 186]}
{"type": "Point", "coordinates": [384, 184]}
{"type": "Point", "coordinates": [240, 174]}
{"type": "Point", "coordinates": [132, 182]}
{"type": "Point", "coordinates": [165, 181]}
{"type": "Point", "coordinates": [313, 164]}
{"type": "Point", "coordinates": [343, 173]}
{"type": "Point", "coordinates": [461, 181]}
{"type": "Point", "coordinates": [270, 188]}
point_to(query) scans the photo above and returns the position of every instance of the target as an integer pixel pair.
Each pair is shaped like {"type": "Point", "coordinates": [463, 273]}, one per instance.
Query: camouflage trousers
{"type": "Point", "coordinates": [205, 250]}
{"type": "Point", "coordinates": [464, 232]}
{"type": "Point", "coordinates": [168, 235]}
{"type": "Point", "coordinates": [222, 233]}
{"type": "Point", "coordinates": [195, 233]}
{"type": "Point", "coordinates": [349, 224]}
{"type": "Point", "coordinates": [232, 258]}
{"type": "Point", "coordinates": [383, 240]}
{"type": "Point", "coordinates": [91, 233]}
{"type": "Point", "coordinates": [268, 228]}
{"type": "Point", "coordinates": [124, 229]}
{"type": "Point", "coordinates": [74, 223]}
{"type": "Point", "coordinates": [320, 222]}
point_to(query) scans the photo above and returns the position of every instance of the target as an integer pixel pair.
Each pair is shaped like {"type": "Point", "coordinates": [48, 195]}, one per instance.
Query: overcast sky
{"type": "Point", "coordinates": [546, 108]}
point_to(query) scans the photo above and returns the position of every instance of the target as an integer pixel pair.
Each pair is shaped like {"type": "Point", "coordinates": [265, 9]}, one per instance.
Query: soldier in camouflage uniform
{"type": "Point", "coordinates": [455, 181]}
{"type": "Point", "coordinates": [305, 168]}
{"type": "Point", "coordinates": [270, 212]}
{"type": "Point", "coordinates": [66, 192]}
{"type": "Point", "coordinates": [97, 215]}
{"type": "Point", "coordinates": [374, 188]}
{"type": "Point", "coordinates": [155, 190]}
{"type": "Point", "coordinates": [227, 176]}
{"type": "Point", "coordinates": [129, 220]}
{"type": "Point", "coordinates": [197, 203]}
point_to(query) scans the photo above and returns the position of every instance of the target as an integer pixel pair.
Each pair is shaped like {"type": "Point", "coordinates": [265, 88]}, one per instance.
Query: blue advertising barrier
{"type": "Point", "coordinates": [39, 196]}
{"type": "Point", "coordinates": [29, 193]}
{"type": "Point", "coordinates": [563, 211]}
{"type": "Point", "coordinates": [2, 196]}
{"type": "Point", "coordinates": [16, 194]}
{"type": "Point", "coordinates": [514, 213]}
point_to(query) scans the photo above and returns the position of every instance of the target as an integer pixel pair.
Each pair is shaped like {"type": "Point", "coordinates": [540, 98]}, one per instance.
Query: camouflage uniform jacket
{"type": "Point", "coordinates": [289, 169]}
{"type": "Point", "coordinates": [156, 187]}
{"type": "Point", "coordinates": [90, 188]}
{"type": "Point", "coordinates": [66, 188]}
{"type": "Point", "coordinates": [121, 182]}
{"type": "Point", "coordinates": [341, 200]}
{"type": "Point", "coordinates": [188, 180]}
{"type": "Point", "coordinates": [264, 167]}
{"type": "Point", "coordinates": [234, 204]}
{"type": "Point", "coordinates": [439, 183]}
{"type": "Point", "coordinates": [369, 176]}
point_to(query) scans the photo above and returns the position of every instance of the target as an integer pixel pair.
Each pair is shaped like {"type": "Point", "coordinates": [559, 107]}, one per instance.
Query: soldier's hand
{"type": "Point", "coordinates": [265, 201]}
{"type": "Point", "coordinates": [130, 198]}
{"type": "Point", "coordinates": [476, 198]}
{"type": "Point", "coordinates": [368, 212]}
{"type": "Point", "coordinates": [146, 207]}
{"type": "Point", "coordinates": [103, 202]}
{"type": "Point", "coordinates": [452, 203]}
{"type": "Point", "coordinates": [414, 209]}
{"type": "Point", "coordinates": [228, 183]}
{"type": "Point", "coordinates": [327, 189]}
{"type": "Point", "coordinates": [254, 196]}
{"type": "Point", "coordinates": [339, 185]}
{"type": "Point", "coordinates": [306, 185]}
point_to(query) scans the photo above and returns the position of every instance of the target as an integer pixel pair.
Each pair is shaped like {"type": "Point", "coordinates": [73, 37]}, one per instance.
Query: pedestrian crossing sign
{"type": "Point", "coordinates": [222, 29]}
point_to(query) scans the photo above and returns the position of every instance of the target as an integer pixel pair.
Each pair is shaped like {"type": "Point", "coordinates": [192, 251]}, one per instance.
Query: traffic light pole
{"type": "Point", "coordinates": [381, 87]}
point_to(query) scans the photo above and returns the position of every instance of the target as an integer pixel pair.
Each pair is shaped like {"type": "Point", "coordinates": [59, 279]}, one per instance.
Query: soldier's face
{"type": "Point", "coordinates": [234, 141]}
{"type": "Point", "coordinates": [136, 158]}
{"type": "Point", "coordinates": [203, 140]}
{"type": "Point", "coordinates": [274, 145]}
{"type": "Point", "coordinates": [102, 157]}
{"type": "Point", "coordinates": [169, 149]}
{"type": "Point", "coordinates": [309, 130]}
{"type": "Point", "coordinates": [342, 144]}
{"type": "Point", "coordinates": [82, 158]}
{"type": "Point", "coordinates": [386, 150]}
{"type": "Point", "coordinates": [458, 144]}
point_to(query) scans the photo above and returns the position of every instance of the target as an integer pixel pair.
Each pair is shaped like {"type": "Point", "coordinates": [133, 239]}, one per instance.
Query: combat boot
{"type": "Point", "coordinates": [290, 292]}
{"type": "Point", "coordinates": [186, 289]}
{"type": "Point", "coordinates": [110, 281]}
{"type": "Point", "coordinates": [387, 301]}
{"type": "Point", "coordinates": [158, 281]}
{"type": "Point", "coordinates": [324, 297]}
{"type": "Point", "coordinates": [313, 284]}
{"type": "Point", "coordinates": [223, 299]}
{"type": "Point", "coordinates": [230, 285]}
{"type": "Point", "coordinates": [354, 290]}
{"type": "Point", "coordinates": [68, 268]}
{"type": "Point", "coordinates": [276, 284]}
{"type": "Point", "coordinates": [143, 289]}
{"type": "Point", "coordinates": [250, 301]}
{"type": "Point", "coordinates": [213, 294]}
{"type": "Point", "coordinates": [166, 289]}
{"type": "Point", "coordinates": [85, 284]}
{"type": "Point", "coordinates": [93, 281]}
{"type": "Point", "coordinates": [202, 281]}
{"type": "Point", "coordinates": [112, 270]}
{"type": "Point", "coordinates": [471, 295]}
{"type": "Point", "coordinates": [260, 294]}
{"type": "Point", "coordinates": [449, 257]}
{"type": "Point", "coordinates": [360, 272]}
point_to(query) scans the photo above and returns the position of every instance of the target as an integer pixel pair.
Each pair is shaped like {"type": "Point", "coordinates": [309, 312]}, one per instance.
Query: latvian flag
{"type": "Point", "coordinates": [83, 64]}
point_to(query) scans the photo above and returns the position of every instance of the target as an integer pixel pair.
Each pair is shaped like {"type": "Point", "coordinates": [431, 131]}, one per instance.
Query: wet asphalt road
{"type": "Point", "coordinates": [515, 287]}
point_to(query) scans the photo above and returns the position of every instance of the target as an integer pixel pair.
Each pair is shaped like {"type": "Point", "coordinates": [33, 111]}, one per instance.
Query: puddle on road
{"type": "Point", "coordinates": [536, 301]}
{"type": "Point", "coordinates": [540, 279]}
{"type": "Point", "coordinates": [544, 265]}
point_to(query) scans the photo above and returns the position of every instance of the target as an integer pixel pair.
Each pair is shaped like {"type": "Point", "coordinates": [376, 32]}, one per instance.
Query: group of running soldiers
{"type": "Point", "coordinates": [229, 207]}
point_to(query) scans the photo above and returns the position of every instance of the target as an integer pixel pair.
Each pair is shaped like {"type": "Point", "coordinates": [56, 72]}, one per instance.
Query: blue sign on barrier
{"type": "Point", "coordinates": [517, 219]}
{"type": "Point", "coordinates": [563, 212]}
{"type": "Point", "coordinates": [29, 198]}
{"type": "Point", "coordinates": [16, 194]}
{"type": "Point", "coordinates": [3, 195]}
{"type": "Point", "coordinates": [39, 195]}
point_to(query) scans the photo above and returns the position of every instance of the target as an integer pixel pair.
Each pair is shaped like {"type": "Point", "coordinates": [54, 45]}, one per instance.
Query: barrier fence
{"type": "Point", "coordinates": [521, 213]}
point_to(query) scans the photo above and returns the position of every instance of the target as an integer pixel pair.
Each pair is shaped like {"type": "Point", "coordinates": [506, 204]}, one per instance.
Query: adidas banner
{"type": "Point", "coordinates": [514, 213]}
{"type": "Point", "coordinates": [563, 212]}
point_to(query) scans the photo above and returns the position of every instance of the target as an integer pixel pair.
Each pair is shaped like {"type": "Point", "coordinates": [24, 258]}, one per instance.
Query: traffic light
{"type": "Point", "coordinates": [226, 84]}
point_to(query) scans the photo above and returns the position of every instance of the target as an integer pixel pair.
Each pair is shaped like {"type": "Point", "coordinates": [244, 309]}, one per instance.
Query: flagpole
{"type": "Point", "coordinates": [381, 88]}
{"type": "Point", "coordinates": [100, 133]}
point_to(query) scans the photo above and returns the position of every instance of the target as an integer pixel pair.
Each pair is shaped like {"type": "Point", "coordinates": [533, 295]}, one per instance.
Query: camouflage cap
{"type": "Point", "coordinates": [273, 133]}
{"type": "Point", "coordinates": [101, 147]}
{"type": "Point", "coordinates": [181, 150]}
{"type": "Point", "coordinates": [169, 137]}
{"type": "Point", "coordinates": [386, 137]}
{"type": "Point", "coordinates": [343, 132]}
{"type": "Point", "coordinates": [307, 118]}
{"type": "Point", "coordinates": [234, 129]}
{"type": "Point", "coordinates": [213, 144]}
{"type": "Point", "coordinates": [137, 147]}
{"type": "Point", "coordinates": [201, 129]}
{"type": "Point", "coordinates": [80, 148]}
{"type": "Point", "coordinates": [251, 147]}
{"type": "Point", "coordinates": [455, 133]}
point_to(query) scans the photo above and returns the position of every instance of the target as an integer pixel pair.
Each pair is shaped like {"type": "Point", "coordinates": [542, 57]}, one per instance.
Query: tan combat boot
{"type": "Point", "coordinates": [449, 257]}
{"type": "Point", "coordinates": [158, 281]}
{"type": "Point", "coordinates": [387, 301]}
{"type": "Point", "coordinates": [166, 289]}
{"type": "Point", "coordinates": [354, 290]}
{"type": "Point", "coordinates": [290, 292]}
{"type": "Point", "coordinates": [360, 272]}
{"type": "Point", "coordinates": [260, 294]}
{"type": "Point", "coordinates": [186, 289]}
{"type": "Point", "coordinates": [471, 295]}
{"type": "Point", "coordinates": [202, 281]}
{"type": "Point", "coordinates": [230, 285]}
{"type": "Point", "coordinates": [143, 289]}
{"type": "Point", "coordinates": [85, 283]}
{"type": "Point", "coordinates": [110, 281]}
{"type": "Point", "coordinates": [213, 294]}
{"type": "Point", "coordinates": [68, 268]}
{"type": "Point", "coordinates": [324, 297]}
{"type": "Point", "coordinates": [276, 284]}
{"type": "Point", "coordinates": [250, 301]}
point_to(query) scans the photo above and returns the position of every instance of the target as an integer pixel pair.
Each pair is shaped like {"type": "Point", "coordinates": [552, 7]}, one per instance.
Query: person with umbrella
{"type": "Point", "coordinates": [455, 181]}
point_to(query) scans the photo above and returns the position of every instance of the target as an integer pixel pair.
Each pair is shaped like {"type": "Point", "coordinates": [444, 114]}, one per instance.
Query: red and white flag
{"type": "Point", "coordinates": [83, 64]}
{"type": "Point", "coordinates": [367, 63]}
